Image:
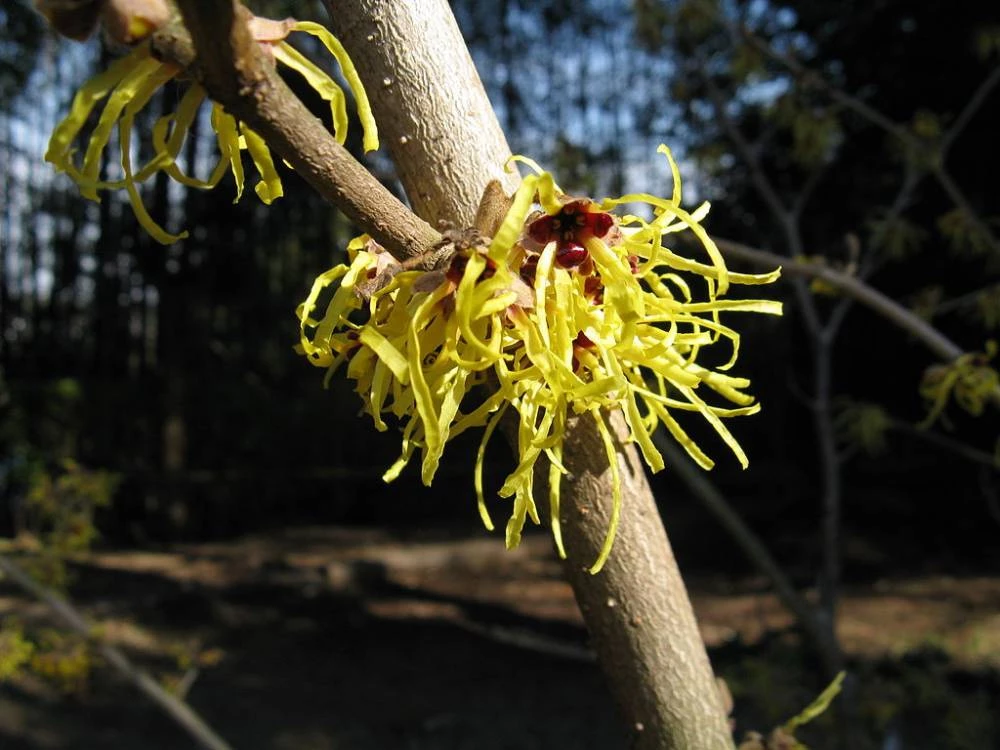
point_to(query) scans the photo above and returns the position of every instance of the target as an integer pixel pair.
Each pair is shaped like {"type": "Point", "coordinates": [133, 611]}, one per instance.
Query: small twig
{"type": "Point", "coordinates": [990, 493]}
{"type": "Point", "coordinates": [911, 178]}
{"type": "Point", "coordinates": [179, 711]}
{"type": "Point", "coordinates": [812, 78]}
{"type": "Point", "coordinates": [964, 300]}
{"type": "Point", "coordinates": [186, 682]}
{"type": "Point", "coordinates": [758, 176]}
{"type": "Point", "coordinates": [969, 111]}
{"type": "Point", "coordinates": [957, 447]}
{"type": "Point", "coordinates": [962, 203]}
{"type": "Point", "coordinates": [530, 641]}
{"type": "Point", "coordinates": [903, 134]}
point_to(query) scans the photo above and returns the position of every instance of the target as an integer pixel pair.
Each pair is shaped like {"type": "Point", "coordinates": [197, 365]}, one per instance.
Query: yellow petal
{"type": "Point", "coordinates": [333, 45]}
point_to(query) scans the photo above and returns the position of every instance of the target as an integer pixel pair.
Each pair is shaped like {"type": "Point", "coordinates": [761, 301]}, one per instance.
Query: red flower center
{"type": "Point", "coordinates": [574, 223]}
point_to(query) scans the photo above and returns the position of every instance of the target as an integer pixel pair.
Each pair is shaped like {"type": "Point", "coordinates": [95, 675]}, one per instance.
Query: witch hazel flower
{"type": "Point", "coordinates": [570, 309]}
{"type": "Point", "coordinates": [129, 83]}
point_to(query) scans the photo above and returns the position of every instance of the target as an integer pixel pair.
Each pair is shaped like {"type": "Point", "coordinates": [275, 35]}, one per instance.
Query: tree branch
{"type": "Point", "coordinates": [940, 345]}
{"type": "Point", "coordinates": [969, 110]}
{"type": "Point", "coordinates": [177, 710]}
{"type": "Point", "coordinates": [903, 134]}
{"type": "Point", "coordinates": [449, 147]}
{"type": "Point", "coordinates": [223, 56]}
{"type": "Point", "coordinates": [636, 609]}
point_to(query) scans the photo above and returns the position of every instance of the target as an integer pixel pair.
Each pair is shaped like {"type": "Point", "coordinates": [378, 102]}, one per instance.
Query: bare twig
{"type": "Point", "coordinates": [178, 711]}
{"type": "Point", "coordinates": [972, 106]}
{"type": "Point", "coordinates": [940, 345]}
{"type": "Point", "coordinates": [944, 442]}
{"type": "Point", "coordinates": [965, 300]}
{"type": "Point", "coordinates": [903, 134]}
{"type": "Point", "coordinates": [822, 334]}
{"type": "Point", "coordinates": [815, 80]}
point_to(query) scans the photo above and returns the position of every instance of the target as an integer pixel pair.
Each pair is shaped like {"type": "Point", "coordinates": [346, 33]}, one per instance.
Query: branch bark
{"type": "Point", "coordinates": [214, 43]}
{"type": "Point", "coordinates": [436, 119]}
{"type": "Point", "coordinates": [636, 609]}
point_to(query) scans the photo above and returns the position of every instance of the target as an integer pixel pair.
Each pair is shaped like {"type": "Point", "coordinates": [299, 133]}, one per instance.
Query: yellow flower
{"type": "Point", "coordinates": [568, 310]}
{"type": "Point", "coordinates": [128, 85]}
{"type": "Point", "coordinates": [970, 379]}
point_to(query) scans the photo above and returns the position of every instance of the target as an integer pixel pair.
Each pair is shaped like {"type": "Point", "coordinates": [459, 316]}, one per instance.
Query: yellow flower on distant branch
{"type": "Point", "coordinates": [569, 310]}
{"type": "Point", "coordinates": [970, 380]}
{"type": "Point", "coordinates": [127, 86]}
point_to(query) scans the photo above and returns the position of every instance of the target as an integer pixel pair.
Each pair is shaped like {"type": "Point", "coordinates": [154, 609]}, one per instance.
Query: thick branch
{"type": "Point", "coordinates": [448, 144]}
{"type": "Point", "coordinates": [229, 63]}
{"type": "Point", "coordinates": [176, 709]}
{"type": "Point", "coordinates": [637, 610]}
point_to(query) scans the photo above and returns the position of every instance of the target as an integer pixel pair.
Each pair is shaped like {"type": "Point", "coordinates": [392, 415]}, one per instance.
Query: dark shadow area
{"type": "Point", "coordinates": [335, 638]}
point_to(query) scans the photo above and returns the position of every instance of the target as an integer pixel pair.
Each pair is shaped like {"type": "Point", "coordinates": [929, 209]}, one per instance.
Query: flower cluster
{"type": "Point", "coordinates": [569, 309]}
{"type": "Point", "coordinates": [130, 82]}
{"type": "Point", "coordinates": [970, 380]}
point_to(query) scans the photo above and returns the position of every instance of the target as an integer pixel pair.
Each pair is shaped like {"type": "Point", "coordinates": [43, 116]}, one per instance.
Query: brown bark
{"type": "Point", "coordinates": [429, 103]}
{"type": "Point", "coordinates": [238, 76]}
{"type": "Point", "coordinates": [636, 609]}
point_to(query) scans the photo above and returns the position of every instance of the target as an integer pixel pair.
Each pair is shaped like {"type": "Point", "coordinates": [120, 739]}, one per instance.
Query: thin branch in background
{"type": "Point", "coordinates": [903, 134]}
{"type": "Point", "coordinates": [817, 81]}
{"type": "Point", "coordinates": [972, 106]}
{"type": "Point", "coordinates": [177, 710]}
{"type": "Point", "coordinates": [821, 334]}
{"type": "Point", "coordinates": [989, 489]}
{"type": "Point", "coordinates": [964, 300]}
{"type": "Point", "coordinates": [759, 177]}
{"type": "Point", "coordinates": [904, 196]}
{"type": "Point", "coordinates": [715, 502]}
{"type": "Point", "coordinates": [943, 347]}
{"type": "Point", "coordinates": [944, 442]}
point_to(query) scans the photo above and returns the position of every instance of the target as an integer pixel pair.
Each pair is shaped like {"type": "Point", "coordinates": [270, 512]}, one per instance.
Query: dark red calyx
{"type": "Point", "coordinates": [528, 269]}
{"type": "Point", "coordinates": [581, 342]}
{"type": "Point", "coordinates": [570, 254]}
{"type": "Point", "coordinates": [593, 290]}
{"type": "Point", "coordinates": [599, 223]}
{"type": "Point", "coordinates": [456, 270]}
{"type": "Point", "coordinates": [575, 222]}
{"type": "Point", "coordinates": [542, 230]}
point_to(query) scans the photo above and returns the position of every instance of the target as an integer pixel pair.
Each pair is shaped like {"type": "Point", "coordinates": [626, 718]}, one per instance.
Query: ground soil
{"type": "Point", "coordinates": [325, 638]}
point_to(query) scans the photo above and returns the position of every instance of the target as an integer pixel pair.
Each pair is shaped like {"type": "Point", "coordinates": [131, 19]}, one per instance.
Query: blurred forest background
{"type": "Point", "coordinates": [861, 136]}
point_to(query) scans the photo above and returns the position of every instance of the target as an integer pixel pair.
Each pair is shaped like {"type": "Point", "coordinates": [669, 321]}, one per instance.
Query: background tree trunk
{"type": "Point", "coordinates": [447, 144]}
